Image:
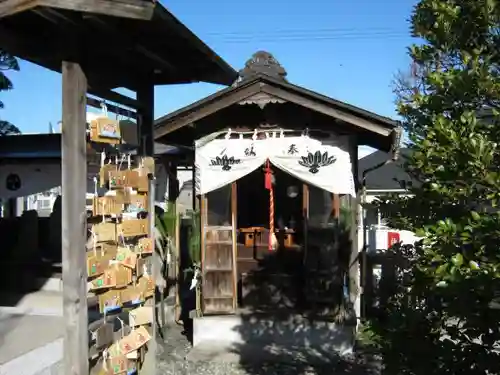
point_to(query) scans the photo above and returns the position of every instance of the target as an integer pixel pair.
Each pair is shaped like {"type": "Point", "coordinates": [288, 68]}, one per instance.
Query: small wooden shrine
{"type": "Point", "coordinates": [275, 168]}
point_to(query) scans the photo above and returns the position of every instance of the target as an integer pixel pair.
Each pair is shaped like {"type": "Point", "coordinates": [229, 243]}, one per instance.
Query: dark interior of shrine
{"type": "Point", "coordinates": [307, 253]}
{"type": "Point", "coordinates": [267, 277]}
{"type": "Point", "coordinates": [254, 206]}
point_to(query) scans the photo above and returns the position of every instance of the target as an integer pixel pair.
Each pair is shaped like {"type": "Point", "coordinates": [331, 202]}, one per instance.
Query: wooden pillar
{"type": "Point", "coordinates": [305, 201]}
{"type": "Point", "coordinates": [354, 261]}
{"type": "Point", "coordinates": [145, 119]}
{"type": "Point", "coordinates": [336, 206]}
{"type": "Point", "coordinates": [145, 123]}
{"type": "Point", "coordinates": [74, 219]}
{"type": "Point", "coordinates": [173, 182]}
{"type": "Point", "coordinates": [305, 220]}
{"type": "Point", "coordinates": [203, 225]}
{"type": "Point", "coordinates": [196, 200]}
{"type": "Point", "coordinates": [234, 221]}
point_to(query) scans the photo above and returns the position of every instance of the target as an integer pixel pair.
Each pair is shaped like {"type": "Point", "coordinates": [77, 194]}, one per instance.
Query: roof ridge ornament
{"type": "Point", "coordinates": [262, 62]}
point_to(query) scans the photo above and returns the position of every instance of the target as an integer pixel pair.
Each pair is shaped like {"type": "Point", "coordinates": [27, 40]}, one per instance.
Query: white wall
{"type": "Point", "coordinates": [374, 219]}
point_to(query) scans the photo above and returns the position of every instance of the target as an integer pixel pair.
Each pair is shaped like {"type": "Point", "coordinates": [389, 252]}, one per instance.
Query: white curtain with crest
{"type": "Point", "coordinates": [222, 161]}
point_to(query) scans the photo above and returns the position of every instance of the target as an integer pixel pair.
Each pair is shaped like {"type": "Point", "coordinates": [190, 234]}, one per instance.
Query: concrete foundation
{"type": "Point", "coordinates": [267, 330]}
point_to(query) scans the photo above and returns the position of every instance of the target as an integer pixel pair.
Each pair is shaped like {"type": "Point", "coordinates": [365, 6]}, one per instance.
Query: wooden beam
{"type": "Point", "coordinates": [56, 16]}
{"type": "Point", "coordinates": [10, 7]}
{"type": "Point", "coordinates": [145, 119]}
{"type": "Point", "coordinates": [226, 74]}
{"type": "Point", "coordinates": [325, 109]}
{"type": "Point", "coordinates": [115, 34]}
{"type": "Point", "coordinates": [114, 97]}
{"type": "Point", "coordinates": [96, 103]}
{"type": "Point", "coordinates": [94, 27]}
{"type": "Point", "coordinates": [209, 108]}
{"type": "Point", "coordinates": [74, 225]}
{"type": "Point", "coordinates": [52, 17]}
{"type": "Point", "coordinates": [25, 47]}
{"type": "Point", "coordinates": [134, 9]}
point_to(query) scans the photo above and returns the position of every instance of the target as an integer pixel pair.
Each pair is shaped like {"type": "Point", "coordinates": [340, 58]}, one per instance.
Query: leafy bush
{"type": "Point", "coordinates": [439, 317]}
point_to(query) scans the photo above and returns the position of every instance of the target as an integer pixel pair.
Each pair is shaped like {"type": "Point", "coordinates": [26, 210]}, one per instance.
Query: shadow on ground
{"type": "Point", "coordinates": [279, 329]}
{"type": "Point", "coordinates": [298, 319]}
{"type": "Point", "coordinates": [31, 253]}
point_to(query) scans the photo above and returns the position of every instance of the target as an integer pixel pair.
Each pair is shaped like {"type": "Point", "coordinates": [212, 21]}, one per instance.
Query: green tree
{"type": "Point", "coordinates": [7, 62]}
{"type": "Point", "coordinates": [440, 316]}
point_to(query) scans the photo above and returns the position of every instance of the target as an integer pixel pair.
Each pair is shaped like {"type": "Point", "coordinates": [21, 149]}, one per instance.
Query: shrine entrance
{"type": "Point", "coordinates": [255, 253]}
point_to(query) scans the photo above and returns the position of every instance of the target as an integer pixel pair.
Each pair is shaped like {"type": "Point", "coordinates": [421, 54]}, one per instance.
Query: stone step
{"type": "Point", "coordinates": [263, 330]}
{"type": "Point", "coordinates": [22, 334]}
{"type": "Point", "coordinates": [253, 354]}
{"type": "Point", "coordinates": [43, 303]}
{"type": "Point", "coordinates": [51, 284]}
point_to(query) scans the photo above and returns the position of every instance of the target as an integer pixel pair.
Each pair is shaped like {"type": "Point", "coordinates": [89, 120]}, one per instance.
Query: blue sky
{"type": "Point", "coordinates": [346, 49]}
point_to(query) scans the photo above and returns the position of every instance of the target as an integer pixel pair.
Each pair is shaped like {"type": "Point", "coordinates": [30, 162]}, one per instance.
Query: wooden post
{"type": "Point", "coordinates": [354, 262]}
{"type": "Point", "coordinates": [305, 219]}
{"type": "Point", "coordinates": [203, 224]}
{"type": "Point", "coordinates": [305, 201]}
{"type": "Point", "coordinates": [145, 119]}
{"type": "Point", "coordinates": [336, 206]}
{"type": "Point", "coordinates": [74, 219]}
{"type": "Point", "coordinates": [195, 197]}
{"type": "Point", "coordinates": [173, 182]}
{"type": "Point", "coordinates": [234, 221]}
{"type": "Point", "coordinates": [145, 122]}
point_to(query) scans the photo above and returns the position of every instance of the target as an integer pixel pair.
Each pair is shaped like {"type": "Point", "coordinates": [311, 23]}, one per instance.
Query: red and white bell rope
{"type": "Point", "coordinates": [269, 186]}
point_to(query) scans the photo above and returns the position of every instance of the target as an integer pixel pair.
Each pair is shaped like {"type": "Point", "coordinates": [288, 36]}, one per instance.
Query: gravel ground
{"type": "Point", "coordinates": [172, 359]}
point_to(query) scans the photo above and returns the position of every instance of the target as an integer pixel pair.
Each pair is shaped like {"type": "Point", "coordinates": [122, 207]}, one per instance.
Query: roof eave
{"type": "Point", "coordinates": [224, 74]}
{"type": "Point", "coordinates": [383, 140]}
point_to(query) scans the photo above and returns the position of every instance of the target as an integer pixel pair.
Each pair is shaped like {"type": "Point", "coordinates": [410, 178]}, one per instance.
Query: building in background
{"type": "Point", "coordinates": [35, 161]}
{"type": "Point", "coordinates": [381, 177]}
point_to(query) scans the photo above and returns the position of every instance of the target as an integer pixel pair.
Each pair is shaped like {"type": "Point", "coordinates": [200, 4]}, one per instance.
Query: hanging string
{"type": "Point", "coordinates": [105, 357]}
{"type": "Point", "coordinates": [269, 186]}
{"type": "Point", "coordinates": [94, 241]}
{"type": "Point", "coordinates": [104, 109]}
{"type": "Point", "coordinates": [122, 238]}
{"type": "Point", "coordinates": [103, 158]}
{"type": "Point", "coordinates": [122, 159]}
{"type": "Point", "coordinates": [93, 335]}
{"type": "Point", "coordinates": [122, 327]}
{"type": "Point", "coordinates": [254, 135]}
{"type": "Point", "coordinates": [98, 202]}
